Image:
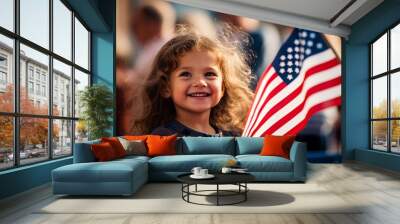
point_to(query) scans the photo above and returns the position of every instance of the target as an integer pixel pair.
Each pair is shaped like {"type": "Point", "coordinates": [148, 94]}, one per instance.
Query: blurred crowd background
{"type": "Point", "coordinates": [143, 26]}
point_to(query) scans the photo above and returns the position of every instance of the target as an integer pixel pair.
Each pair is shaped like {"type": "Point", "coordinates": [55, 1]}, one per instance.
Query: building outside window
{"type": "Point", "coordinates": [30, 87]}
{"type": "Point", "coordinates": [3, 72]}
{"type": "Point", "coordinates": [56, 140]}
{"type": "Point", "coordinates": [30, 72]}
{"type": "Point", "coordinates": [43, 90]}
{"type": "Point", "coordinates": [385, 92]}
{"type": "Point", "coordinates": [3, 78]}
{"type": "Point", "coordinates": [44, 78]}
{"type": "Point", "coordinates": [38, 89]}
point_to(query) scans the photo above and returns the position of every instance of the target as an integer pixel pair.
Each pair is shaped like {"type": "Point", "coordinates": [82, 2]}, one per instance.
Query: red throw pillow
{"type": "Point", "coordinates": [277, 145]}
{"type": "Point", "coordinates": [116, 145]}
{"type": "Point", "coordinates": [161, 145]}
{"type": "Point", "coordinates": [103, 151]}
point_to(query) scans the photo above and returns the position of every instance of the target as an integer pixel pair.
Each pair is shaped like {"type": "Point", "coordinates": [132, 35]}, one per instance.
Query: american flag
{"type": "Point", "coordinates": [303, 79]}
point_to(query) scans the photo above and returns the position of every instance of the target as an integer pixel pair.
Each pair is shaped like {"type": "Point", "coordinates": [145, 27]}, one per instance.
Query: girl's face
{"type": "Point", "coordinates": [196, 85]}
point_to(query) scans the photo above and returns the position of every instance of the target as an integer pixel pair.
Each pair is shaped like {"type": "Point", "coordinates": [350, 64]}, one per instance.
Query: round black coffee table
{"type": "Point", "coordinates": [238, 179]}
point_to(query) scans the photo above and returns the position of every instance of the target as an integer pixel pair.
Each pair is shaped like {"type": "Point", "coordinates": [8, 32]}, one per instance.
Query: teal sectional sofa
{"type": "Point", "coordinates": [125, 176]}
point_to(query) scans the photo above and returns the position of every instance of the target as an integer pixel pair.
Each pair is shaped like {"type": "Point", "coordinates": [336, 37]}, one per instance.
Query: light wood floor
{"type": "Point", "coordinates": [378, 188]}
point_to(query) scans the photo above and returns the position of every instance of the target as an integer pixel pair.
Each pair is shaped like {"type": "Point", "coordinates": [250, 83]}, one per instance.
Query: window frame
{"type": "Point", "coordinates": [388, 74]}
{"type": "Point", "coordinates": [16, 114]}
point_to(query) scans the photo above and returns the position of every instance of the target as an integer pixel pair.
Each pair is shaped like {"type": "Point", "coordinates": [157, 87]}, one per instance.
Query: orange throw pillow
{"type": "Point", "coordinates": [116, 145]}
{"type": "Point", "coordinates": [135, 137]}
{"type": "Point", "coordinates": [161, 145]}
{"type": "Point", "coordinates": [103, 152]}
{"type": "Point", "coordinates": [277, 145]}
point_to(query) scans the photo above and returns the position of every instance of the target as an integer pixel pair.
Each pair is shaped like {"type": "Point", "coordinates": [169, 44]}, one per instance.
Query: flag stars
{"type": "Point", "coordinates": [290, 63]}
{"type": "Point", "coordinates": [296, 42]}
{"type": "Point", "coordinates": [303, 34]}
{"type": "Point", "coordinates": [310, 43]}
{"type": "Point", "coordinates": [297, 56]}
{"type": "Point", "coordinates": [283, 57]}
{"type": "Point", "coordinates": [312, 35]}
{"type": "Point", "coordinates": [296, 49]}
{"type": "Point", "coordinates": [289, 70]}
{"type": "Point", "coordinates": [282, 70]}
{"type": "Point", "coordinates": [297, 70]}
{"type": "Point", "coordinates": [290, 77]}
{"type": "Point", "coordinates": [308, 51]}
{"type": "Point", "coordinates": [290, 56]}
{"type": "Point", "coordinates": [289, 50]}
{"type": "Point", "coordinates": [296, 63]}
{"type": "Point", "coordinates": [319, 45]}
{"type": "Point", "coordinates": [282, 64]}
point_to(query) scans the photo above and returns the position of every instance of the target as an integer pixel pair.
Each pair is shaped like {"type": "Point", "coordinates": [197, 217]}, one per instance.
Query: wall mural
{"type": "Point", "coordinates": [201, 73]}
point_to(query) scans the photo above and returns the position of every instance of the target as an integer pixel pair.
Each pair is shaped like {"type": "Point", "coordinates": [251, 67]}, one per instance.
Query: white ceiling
{"type": "Point", "coordinates": [319, 9]}
{"type": "Point", "coordinates": [324, 16]}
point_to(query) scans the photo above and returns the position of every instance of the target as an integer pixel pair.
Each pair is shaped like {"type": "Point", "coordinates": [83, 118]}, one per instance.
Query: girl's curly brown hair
{"type": "Point", "coordinates": [231, 111]}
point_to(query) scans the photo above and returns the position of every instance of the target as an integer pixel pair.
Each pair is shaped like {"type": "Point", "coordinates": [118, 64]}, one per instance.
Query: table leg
{"type": "Point", "coordinates": [245, 193]}
{"type": "Point", "coordinates": [196, 188]}
{"type": "Point", "coordinates": [188, 189]}
{"type": "Point", "coordinates": [217, 194]}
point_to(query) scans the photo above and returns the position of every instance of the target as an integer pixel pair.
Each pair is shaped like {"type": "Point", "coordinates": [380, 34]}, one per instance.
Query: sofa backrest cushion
{"type": "Point", "coordinates": [206, 145]}
{"type": "Point", "coordinates": [249, 145]}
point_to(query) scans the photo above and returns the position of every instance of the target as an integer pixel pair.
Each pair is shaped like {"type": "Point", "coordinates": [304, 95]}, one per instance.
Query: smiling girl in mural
{"type": "Point", "coordinates": [197, 87]}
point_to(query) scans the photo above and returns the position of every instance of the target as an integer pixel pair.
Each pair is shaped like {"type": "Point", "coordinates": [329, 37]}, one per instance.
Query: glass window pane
{"type": "Point", "coordinates": [81, 131]}
{"type": "Point", "coordinates": [34, 72]}
{"type": "Point", "coordinates": [33, 139]}
{"type": "Point", "coordinates": [7, 14]}
{"type": "Point", "coordinates": [6, 74]}
{"type": "Point", "coordinates": [81, 45]}
{"type": "Point", "coordinates": [62, 89]}
{"type": "Point", "coordinates": [379, 135]}
{"type": "Point", "coordinates": [6, 142]}
{"type": "Point", "coordinates": [379, 98]}
{"type": "Point", "coordinates": [62, 29]}
{"type": "Point", "coordinates": [395, 94]}
{"type": "Point", "coordinates": [35, 21]}
{"type": "Point", "coordinates": [379, 55]}
{"type": "Point", "coordinates": [395, 47]}
{"type": "Point", "coordinates": [62, 138]}
{"type": "Point", "coordinates": [81, 81]}
{"type": "Point", "coordinates": [395, 135]}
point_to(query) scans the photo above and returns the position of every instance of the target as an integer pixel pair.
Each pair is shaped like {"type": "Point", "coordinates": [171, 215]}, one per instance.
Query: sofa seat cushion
{"type": "Point", "coordinates": [112, 171]}
{"type": "Point", "coordinates": [257, 163]}
{"type": "Point", "coordinates": [185, 163]}
{"type": "Point", "coordinates": [133, 158]}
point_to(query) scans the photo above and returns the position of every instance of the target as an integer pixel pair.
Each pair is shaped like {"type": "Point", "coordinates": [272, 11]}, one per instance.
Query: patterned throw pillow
{"type": "Point", "coordinates": [133, 147]}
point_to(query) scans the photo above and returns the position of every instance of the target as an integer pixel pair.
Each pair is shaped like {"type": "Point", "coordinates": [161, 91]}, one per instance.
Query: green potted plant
{"type": "Point", "coordinates": [96, 102]}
